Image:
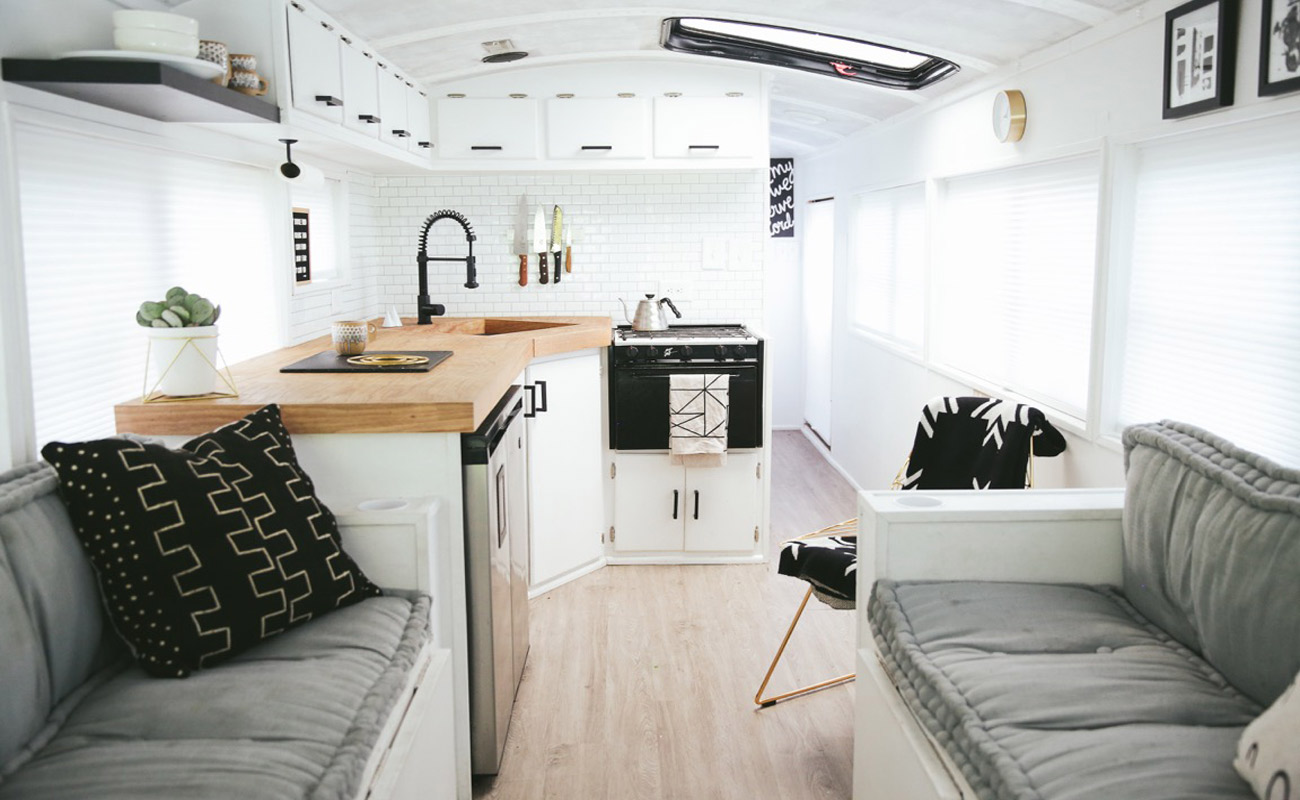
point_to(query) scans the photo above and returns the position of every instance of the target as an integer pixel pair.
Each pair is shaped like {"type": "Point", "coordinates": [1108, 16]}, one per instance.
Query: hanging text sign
{"type": "Point", "coordinates": [301, 246]}
{"type": "Point", "coordinates": [780, 216]}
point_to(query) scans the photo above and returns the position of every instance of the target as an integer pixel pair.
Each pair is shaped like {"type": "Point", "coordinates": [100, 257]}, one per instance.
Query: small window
{"type": "Point", "coordinates": [810, 51]}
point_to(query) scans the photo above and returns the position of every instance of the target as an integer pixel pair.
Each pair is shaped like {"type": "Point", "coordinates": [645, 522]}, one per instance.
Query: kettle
{"type": "Point", "coordinates": [650, 314]}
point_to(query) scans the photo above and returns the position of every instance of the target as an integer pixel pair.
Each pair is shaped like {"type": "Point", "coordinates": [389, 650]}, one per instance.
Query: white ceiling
{"type": "Point", "coordinates": [437, 42]}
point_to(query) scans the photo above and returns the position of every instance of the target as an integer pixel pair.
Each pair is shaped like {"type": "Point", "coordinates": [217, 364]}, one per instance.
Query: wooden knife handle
{"type": "Point", "coordinates": [557, 266]}
{"type": "Point", "coordinates": [546, 278]}
{"type": "Point", "coordinates": [523, 269]}
{"type": "Point", "coordinates": [568, 259]}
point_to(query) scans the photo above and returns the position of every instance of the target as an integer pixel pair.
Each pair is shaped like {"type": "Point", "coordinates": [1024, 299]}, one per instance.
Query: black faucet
{"type": "Point", "coordinates": [426, 311]}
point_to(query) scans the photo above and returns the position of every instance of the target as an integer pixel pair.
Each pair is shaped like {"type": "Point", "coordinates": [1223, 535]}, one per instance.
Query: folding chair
{"type": "Point", "coordinates": [960, 443]}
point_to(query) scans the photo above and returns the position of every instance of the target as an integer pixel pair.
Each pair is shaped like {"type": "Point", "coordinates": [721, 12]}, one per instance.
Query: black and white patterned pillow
{"type": "Point", "coordinates": [1268, 753]}
{"type": "Point", "coordinates": [205, 551]}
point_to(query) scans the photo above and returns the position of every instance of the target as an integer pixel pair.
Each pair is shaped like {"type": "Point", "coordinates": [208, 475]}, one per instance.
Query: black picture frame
{"type": "Point", "coordinates": [1200, 57]}
{"type": "Point", "coordinates": [1279, 47]}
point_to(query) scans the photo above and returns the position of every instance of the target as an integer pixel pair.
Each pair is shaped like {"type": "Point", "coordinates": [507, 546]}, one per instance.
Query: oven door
{"type": "Point", "coordinates": [638, 412]}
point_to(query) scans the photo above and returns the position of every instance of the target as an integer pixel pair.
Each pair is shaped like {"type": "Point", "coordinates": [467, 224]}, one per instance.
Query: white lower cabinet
{"type": "Point", "coordinates": [660, 507]}
{"type": "Point", "coordinates": [565, 471]}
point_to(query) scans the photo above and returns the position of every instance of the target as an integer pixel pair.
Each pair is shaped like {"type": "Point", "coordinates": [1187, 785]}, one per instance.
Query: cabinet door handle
{"type": "Point", "coordinates": [532, 400]}
{"type": "Point", "coordinates": [675, 503]}
{"type": "Point", "coordinates": [703, 147]}
{"type": "Point", "coordinates": [425, 145]}
{"type": "Point", "coordinates": [697, 504]}
{"type": "Point", "coordinates": [401, 134]}
{"type": "Point", "coordinates": [329, 100]}
{"type": "Point", "coordinates": [485, 147]}
{"type": "Point", "coordinates": [369, 118]}
{"type": "Point", "coordinates": [598, 147]}
{"type": "Point", "coordinates": [545, 406]}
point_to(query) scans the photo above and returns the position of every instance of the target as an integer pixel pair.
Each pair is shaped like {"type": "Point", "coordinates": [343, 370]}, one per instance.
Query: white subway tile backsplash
{"type": "Point", "coordinates": [635, 233]}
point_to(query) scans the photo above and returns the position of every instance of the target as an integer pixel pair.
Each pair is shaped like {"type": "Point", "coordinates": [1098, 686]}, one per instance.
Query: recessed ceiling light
{"type": "Point", "coordinates": [810, 51]}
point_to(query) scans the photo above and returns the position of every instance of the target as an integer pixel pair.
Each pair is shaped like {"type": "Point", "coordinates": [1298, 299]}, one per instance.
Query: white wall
{"type": "Point", "coordinates": [1100, 89]}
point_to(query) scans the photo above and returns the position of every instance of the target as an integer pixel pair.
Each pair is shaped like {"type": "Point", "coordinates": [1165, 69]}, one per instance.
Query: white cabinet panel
{"type": "Point", "coordinates": [649, 504]}
{"type": "Point", "coordinates": [316, 75]}
{"type": "Point", "coordinates": [392, 108]}
{"type": "Point", "coordinates": [418, 119]}
{"type": "Point", "coordinates": [360, 90]}
{"type": "Point", "coordinates": [707, 127]}
{"type": "Point", "coordinates": [487, 128]}
{"type": "Point", "coordinates": [597, 128]}
{"type": "Point", "coordinates": [724, 511]}
{"type": "Point", "coordinates": [661, 507]}
{"type": "Point", "coordinates": [565, 472]}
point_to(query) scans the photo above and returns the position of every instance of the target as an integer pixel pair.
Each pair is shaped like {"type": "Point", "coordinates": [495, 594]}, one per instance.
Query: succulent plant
{"type": "Point", "coordinates": [179, 309]}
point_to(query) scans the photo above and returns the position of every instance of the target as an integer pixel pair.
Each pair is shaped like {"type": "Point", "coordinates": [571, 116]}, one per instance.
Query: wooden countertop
{"type": "Point", "coordinates": [454, 396]}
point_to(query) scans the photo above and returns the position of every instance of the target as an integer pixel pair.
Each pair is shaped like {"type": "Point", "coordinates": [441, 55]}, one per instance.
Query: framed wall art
{"type": "Point", "coordinates": [1279, 47]}
{"type": "Point", "coordinates": [1200, 51]}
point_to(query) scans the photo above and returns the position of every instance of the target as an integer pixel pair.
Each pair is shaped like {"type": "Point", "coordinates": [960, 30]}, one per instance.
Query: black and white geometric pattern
{"type": "Point", "coordinates": [205, 551]}
{"type": "Point", "coordinates": [698, 407]}
{"type": "Point", "coordinates": [829, 563]}
{"type": "Point", "coordinates": [978, 443]}
{"type": "Point", "coordinates": [1268, 753]}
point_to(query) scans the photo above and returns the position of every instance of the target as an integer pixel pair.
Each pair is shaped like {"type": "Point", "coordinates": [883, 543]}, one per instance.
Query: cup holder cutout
{"type": "Point", "coordinates": [919, 501]}
{"type": "Point", "coordinates": [382, 504]}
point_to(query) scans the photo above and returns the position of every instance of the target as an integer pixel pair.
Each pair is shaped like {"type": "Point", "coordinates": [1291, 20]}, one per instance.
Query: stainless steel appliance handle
{"type": "Point", "coordinates": [674, 504]}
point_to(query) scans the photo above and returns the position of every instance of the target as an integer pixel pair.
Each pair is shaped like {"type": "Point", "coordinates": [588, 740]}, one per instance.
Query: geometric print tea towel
{"type": "Point", "coordinates": [697, 419]}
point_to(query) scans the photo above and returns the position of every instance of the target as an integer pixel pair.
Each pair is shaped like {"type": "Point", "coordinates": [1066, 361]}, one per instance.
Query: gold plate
{"type": "Point", "coordinates": [388, 360]}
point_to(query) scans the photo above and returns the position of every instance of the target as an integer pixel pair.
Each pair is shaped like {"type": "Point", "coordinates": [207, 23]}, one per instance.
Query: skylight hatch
{"type": "Point", "coordinates": [793, 48]}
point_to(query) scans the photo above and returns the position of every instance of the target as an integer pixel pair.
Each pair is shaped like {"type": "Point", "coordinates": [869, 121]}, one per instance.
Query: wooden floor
{"type": "Point", "coordinates": [640, 680]}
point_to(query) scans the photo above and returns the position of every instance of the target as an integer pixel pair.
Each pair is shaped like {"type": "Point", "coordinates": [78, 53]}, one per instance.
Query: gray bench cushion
{"type": "Point", "coordinates": [295, 717]}
{"type": "Point", "coordinates": [1048, 692]}
{"type": "Point", "coordinates": [1212, 551]}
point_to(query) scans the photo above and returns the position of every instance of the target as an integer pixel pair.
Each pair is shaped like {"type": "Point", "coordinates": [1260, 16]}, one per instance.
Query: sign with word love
{"type": "Point", "coordinates": [780, 215]}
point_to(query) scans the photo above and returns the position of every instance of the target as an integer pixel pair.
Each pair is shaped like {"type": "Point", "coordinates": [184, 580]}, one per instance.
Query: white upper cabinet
{"type": "Point", "coordinates": [360, 89]}
{"type": "Point", "coordinates": [708, 127]}
{"type": "Point", "coordinates": [418, 118]}
{"type": "Point", "coordinates": [316, 75]}
{"type": "Point", "coordinates": [597, 128]}
{"type": "Point", "coordinates": [487, 128]}
{"type": "Point", "coordinates": [396, 129]}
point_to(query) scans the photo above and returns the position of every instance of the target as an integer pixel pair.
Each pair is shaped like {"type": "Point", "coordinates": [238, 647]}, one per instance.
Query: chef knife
{"type": "Point", "coordinates": [539, 242]}
{"type": "Point", "coordinates": [521, 239]}
{"type": "Point", "coordinates": [568, 249]}
{"type": "Point", "coordinates": [557, 234]}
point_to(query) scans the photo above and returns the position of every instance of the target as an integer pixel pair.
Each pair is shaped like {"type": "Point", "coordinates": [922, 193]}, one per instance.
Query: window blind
{"type": "Point", "coordinates": [889, 264]}
{"type": "Point", "coordinates": [1013, 279]}
{"type": "Point", "coordinates": [107, 225]}
{"type": "Point", "coordinates": [1212, 324]}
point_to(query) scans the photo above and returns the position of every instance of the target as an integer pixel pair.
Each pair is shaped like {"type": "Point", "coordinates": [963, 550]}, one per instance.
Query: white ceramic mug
{"type": "Point", "coordinates": [350, 336]}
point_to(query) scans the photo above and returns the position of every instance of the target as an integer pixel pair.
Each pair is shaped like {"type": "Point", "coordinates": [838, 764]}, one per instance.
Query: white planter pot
{"type": "Point", "coordinates": [182, 361]}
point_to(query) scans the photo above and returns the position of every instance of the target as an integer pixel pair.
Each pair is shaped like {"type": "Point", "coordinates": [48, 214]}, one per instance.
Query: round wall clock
{"type": "Point", "coordinates": [1009, 115]}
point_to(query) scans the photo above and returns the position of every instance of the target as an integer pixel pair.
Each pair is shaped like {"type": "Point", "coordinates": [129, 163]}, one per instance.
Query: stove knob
{"type": "Point", "coordinates": [653, 352]}
{"type": "Point", "coordinates": [633, 351]}
{"type": "Point", "coordinates": [721, 351]}
{"type": "Point", "coordinates": [686, 353]}
{"type": "Point", "coordinates": [742, 351]}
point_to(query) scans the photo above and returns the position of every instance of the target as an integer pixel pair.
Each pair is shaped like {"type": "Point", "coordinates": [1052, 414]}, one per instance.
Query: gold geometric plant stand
{"type": "Point", "coordinates": [155, 395]}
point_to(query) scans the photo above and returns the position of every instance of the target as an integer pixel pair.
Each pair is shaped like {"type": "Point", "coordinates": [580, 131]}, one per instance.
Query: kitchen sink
{"type": "Point", "coordinates": [490, 326]}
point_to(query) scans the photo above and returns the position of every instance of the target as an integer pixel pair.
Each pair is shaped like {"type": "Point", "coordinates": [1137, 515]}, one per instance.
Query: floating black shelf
{"type": "Point", "coordinates": [148, 89]}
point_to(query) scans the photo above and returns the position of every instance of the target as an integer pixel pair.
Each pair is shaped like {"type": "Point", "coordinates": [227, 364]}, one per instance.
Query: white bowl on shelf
{"type": "Point", "coordinates": [156, 20]}
{"type": "Point", "coordinates": [153, 40]}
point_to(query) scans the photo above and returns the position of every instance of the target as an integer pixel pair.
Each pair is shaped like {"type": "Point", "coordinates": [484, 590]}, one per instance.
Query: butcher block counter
{"type": "Point", "coordinates": [455, 396]}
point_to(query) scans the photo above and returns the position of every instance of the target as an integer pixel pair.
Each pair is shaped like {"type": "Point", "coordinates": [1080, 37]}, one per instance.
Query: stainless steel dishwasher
{"type": "Point", "coordinates": [494, 462]}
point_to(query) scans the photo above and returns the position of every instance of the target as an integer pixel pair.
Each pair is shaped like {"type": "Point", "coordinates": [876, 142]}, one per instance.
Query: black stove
{"type": "Point", "coordinates": [701, 344]}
